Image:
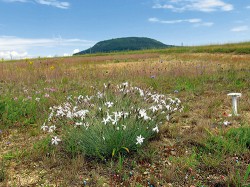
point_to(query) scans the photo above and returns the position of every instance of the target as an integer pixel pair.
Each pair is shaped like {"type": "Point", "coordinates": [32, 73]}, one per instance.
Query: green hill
{"type": "Point", "coordinates": [124, 44]}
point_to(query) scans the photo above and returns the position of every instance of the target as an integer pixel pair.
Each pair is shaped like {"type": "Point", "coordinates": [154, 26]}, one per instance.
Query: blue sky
{"type": "Point", "coordinates": [31, 28]}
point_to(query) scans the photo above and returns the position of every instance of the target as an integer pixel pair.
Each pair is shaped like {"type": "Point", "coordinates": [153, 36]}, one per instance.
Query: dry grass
{"type": "Point", "coordinates": [202, 82]}
{"type": "Point", "coordinates": [86, 68]}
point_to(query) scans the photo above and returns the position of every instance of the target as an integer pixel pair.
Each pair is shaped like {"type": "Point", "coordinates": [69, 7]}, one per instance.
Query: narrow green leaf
{"type": "Point", "coordinates": [247, 174]}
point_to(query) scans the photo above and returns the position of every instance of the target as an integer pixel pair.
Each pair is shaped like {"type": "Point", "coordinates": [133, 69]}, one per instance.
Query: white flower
{"type": "Point", "coordinates": [142, 112]}
{"type": "Point", "coordinates": [86, 125]}
{"type": "Point", "coordinates": [125, 84]}
{"type": "Point", "coordinates": [118, 114]}
{"type": "Point", "coordinates": [168, 117]}
{"type": "Point", "coordinates": [78, 124]}
{"type": "Point", "coordinates": [60, 112]}
{"type": "Point", "coordinates": [156, 129]}
{"type": "Point", "coordinates": [109, 104]}
{"type": "Point", "coordinates": [69, 115]}
{"type": "Point", "coordinates": [44, 127]}
{"type": "Point", "coordinates": [226, 123]}
{"type": "Point", "coordinates": [81, 114]}
{"type": "Point", "coordinates": [69, 97]}
{"type": "Point", "coordinates": [144, 115]}
{"type": "Point", "coordinates": [153, 108]}
{"type": "Point", "coordinates": [160, 107]}
{"type": "Point", "coordinates": [139, 139]}
{"type": "Point", "coordinates": [155, 98]}
{"type": "Point", "coordinates": [80, 97]}
{"type": "Point", "coordinates": [99, 95]}
{"type": "Point", "coordinates": [141, 93]}
{"type": "Point", "coordinates": [177, 100]}
{"type": "Point", "coordinates": [105, 121]}
{"type": "Point", "coordinates": [114, 121]}
{"type": "Point", "coordinates": [52, 128]}
{"type": "Point", "coordinates": [87, 98]}
{"type": "Point", "coordinates": [37, 99]}
{"type": "Point", "coordinates": [55, 140]}
{"type": "Point", "coordinates": [168, 107]}
{"type": "Point", "coordinates": [109, 117]}
{"type": "Point", "coordinates": [51, 115]}
{"type": "Point", "coordinates": [125, 114]}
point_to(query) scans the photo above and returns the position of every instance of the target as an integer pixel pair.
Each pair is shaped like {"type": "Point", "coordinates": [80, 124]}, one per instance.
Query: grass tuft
{"type": "Point", "coordinates": [117, 121]}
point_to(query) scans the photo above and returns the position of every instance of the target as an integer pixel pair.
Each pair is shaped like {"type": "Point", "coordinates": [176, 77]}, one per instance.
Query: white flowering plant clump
{"type": "Point", "coordinates": [117, 120]}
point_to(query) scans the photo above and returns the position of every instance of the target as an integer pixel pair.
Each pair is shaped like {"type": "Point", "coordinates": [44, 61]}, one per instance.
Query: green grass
{"type": "Point", "coordinates": [247, 174]}
{"type": "Point", "coordinates": [240, 136]}
{"type": "Point", "coordinates": [21, 110]}
{"type": "Point", "coordinates": [185, 162]}
{"type": "Point", "coordinates": [203, 93]}
{"type": "Point", "coordinates": [235, 141]}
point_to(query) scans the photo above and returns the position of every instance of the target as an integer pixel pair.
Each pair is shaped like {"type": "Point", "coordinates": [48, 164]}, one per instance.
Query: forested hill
{"type": "Point", "coordinates": [124, 44]}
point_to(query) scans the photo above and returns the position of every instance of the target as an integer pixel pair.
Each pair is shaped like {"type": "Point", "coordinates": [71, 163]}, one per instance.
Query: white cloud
{"type": "Point", "coordinates": [11, 1]}
{"type": "Point", "coordinates": [195, 21]}
{"type": "Point", "coordinates": [13, 43]}
{"type": "Point", "coordinates": [153, 20]}
{"type": "Point", "coordinates": [248, 7]}
{"type": "Point", "coordinates": [204, 24]}
{"type": "Point", "coordinates": [165, 6]}
{"type": "Point", "coordinates": [76, 51]}
{"type": "Point", "coordinates": [54, 3]}
{"type": "Point", "coordinates": [194, 5]}
{"type": "Point", "coordinates": [240, 28]}
{"type": "Point", "coordinates": [156, 20]}
{"type": "Point", "coordinates": [13, 55]}
{"type": "Point", "coordinates": [15, 47]}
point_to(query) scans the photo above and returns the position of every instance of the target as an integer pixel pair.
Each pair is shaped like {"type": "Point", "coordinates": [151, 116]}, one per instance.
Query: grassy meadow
{"type": "Point", "coordinates": [202, 145]}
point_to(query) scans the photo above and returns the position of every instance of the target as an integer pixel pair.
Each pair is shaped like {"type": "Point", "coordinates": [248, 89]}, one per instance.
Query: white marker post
{"type": "Point", "coordinates": [234, 102]}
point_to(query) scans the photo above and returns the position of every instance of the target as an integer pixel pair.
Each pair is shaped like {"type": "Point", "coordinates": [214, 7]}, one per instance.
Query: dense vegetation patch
{"type": "Point", "coordinates": [111, 122]}
{"type": "Point", "coordinates": [124, 44]}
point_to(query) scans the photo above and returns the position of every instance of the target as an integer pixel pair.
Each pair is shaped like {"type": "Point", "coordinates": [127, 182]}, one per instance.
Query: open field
{"type": "Point", "coordinates": [201, 146]}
